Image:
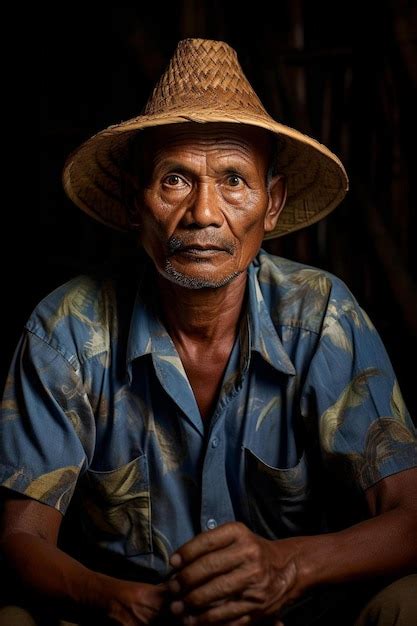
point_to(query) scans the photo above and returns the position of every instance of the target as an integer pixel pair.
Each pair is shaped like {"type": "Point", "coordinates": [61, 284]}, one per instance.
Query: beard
{"type": "Point", "coordinates": [175, 244]}
{"type": "Point", "coordinates": [192, 282]}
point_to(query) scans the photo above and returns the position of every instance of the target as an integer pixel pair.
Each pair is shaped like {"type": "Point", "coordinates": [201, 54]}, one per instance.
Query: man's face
{"type": "Point", "coordinates": [205, 204]}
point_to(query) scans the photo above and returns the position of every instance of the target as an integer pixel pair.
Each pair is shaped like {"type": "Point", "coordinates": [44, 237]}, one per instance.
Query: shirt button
{"type": "Point", "coordinates": [211, 523]}
{"type": "Point", "coordinates": [214, 442]}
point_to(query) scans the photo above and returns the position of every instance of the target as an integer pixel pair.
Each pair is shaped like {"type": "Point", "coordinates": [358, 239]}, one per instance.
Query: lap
{"type": "Point", "coordinates": [358, 605]}
{"type": "Point", "coordinates": [393, 605]}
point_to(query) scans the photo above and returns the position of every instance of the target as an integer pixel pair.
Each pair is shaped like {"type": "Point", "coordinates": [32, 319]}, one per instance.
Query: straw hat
{"type": "Point", "coordinates": [205, 83]}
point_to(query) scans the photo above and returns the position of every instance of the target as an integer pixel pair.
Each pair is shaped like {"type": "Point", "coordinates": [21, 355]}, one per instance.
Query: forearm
{"type": "Point", "coordinates": [48, 573]}
{"type": "Point", "coordinates": [383, 545]}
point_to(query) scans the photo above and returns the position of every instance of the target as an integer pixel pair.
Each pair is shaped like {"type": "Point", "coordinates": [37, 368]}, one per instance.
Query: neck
{"type": "Point", "coordinates": [202, 315]}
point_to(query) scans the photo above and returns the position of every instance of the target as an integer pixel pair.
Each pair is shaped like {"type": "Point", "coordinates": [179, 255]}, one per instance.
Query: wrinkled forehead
{"type": "Point", "coordinates": [252, 142]}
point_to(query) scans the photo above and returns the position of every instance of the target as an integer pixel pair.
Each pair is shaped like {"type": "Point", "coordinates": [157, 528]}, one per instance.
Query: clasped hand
{"type": "Point", "coordinates": [231, 576]}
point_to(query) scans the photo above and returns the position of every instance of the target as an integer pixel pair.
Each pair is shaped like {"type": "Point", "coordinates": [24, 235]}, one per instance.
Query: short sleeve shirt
{"type": "Point", "coordinates": [98, 409]}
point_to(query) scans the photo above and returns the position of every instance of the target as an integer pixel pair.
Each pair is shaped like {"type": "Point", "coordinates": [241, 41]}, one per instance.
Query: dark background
{"type": "Point", "coordinates": [343, 72]}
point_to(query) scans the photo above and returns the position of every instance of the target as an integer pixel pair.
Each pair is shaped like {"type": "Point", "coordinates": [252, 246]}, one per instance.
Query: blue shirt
{"type": "Point", "coordinates": [97, 403]}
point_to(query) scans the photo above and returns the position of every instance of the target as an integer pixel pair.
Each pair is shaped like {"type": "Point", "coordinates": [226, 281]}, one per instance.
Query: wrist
{"type": "Point", "coordinates": [101, 592]}
{"type": "Point", "coordinates": [306, 560]}
{"type": "Point", "coordinates": [313, 558]}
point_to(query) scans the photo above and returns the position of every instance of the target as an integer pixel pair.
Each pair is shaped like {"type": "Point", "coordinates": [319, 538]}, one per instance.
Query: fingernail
{"type": "Point", "coordinates": [177, 607]}
{"type": "Point", "coordinates": [175, 560]}
{"type": "Point", "coordinates": [174, 586]}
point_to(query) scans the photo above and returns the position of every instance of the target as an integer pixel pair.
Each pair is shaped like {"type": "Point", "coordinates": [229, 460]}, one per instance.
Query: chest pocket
{"type": "Point", "coordinates": [280, 500]}
{"type": "Point", "coordinates": [117, 508]}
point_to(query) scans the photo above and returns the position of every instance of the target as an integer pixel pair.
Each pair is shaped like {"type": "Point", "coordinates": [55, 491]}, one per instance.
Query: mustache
{"type": "Point", "coordinates": [176, 244]}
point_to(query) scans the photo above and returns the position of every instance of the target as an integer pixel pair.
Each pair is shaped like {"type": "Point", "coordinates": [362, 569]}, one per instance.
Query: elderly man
{"type": "Point", "coordinates": [225, 424]}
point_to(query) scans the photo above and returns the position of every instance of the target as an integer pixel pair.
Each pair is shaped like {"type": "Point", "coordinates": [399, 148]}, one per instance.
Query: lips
{"type": "Point", "coordinates": [200, 248]}
{"type": "Point", "coordinates": [187, 246]}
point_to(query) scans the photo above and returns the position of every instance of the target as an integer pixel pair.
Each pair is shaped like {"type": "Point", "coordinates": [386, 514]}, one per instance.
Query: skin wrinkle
{"type": "Point", "coordinates": [203, 324]}
{"type": "Point", "coordinates": [228, 575]}
{"type": "Point", "coordinates": [201, 158]}
{"type": "Point", "coordinates": [203, 213]}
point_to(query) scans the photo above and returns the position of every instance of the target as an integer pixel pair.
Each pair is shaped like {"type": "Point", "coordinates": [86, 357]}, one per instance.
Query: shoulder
{"type": "Point", "coordinates": [79, 318]}
{"type": "Point", "coordinates": [301, 295]}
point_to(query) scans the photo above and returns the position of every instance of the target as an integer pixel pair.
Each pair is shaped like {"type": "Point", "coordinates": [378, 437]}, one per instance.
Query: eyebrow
{"type": "Point", "coordinates": [181, 168]}
{"type": "Point", "coordinates": [173, 165]}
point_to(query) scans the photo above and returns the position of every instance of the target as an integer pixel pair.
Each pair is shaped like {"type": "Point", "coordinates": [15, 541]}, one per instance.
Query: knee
{"type": "Point", "coordinates": [15, 616]}
{"type": "Point", "coordinates": [395, 605]}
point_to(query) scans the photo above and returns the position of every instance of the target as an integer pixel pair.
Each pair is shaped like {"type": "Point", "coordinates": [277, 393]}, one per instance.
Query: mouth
{"type": "Point", "coordinates": [177, 246]}
{"type": "Point", "coordinates": [201, 249]}
{"type": "Point", "coordinates": [200, 253]}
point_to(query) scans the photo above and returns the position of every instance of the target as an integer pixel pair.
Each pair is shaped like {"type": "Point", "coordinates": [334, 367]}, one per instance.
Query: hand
{"type": "Point", "coordinates": [231, 576]}
{"type": "Point", "coordinates": [133, 604]}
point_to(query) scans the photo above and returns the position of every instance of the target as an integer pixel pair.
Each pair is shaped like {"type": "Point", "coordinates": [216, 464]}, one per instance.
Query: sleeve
{"type": "Point", "coordinates": [364, 429]}
{"type": "Point", "coordinates": [47, 427]}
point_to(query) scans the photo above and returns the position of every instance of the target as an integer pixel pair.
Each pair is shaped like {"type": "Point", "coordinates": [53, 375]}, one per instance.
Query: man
{"type": "Point", "coordinates": [225, 424]}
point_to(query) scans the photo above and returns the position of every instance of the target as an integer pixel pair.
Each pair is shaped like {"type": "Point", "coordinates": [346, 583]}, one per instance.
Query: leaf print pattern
{"type": "Point", "coordinates": [169, 437]}
{"type": "Point", "coordinates": [398, 408]}
{"type": "Point", "coordinates": [91, 306]}
{"type": "Point", "coordinates": [175, 361]}
{"type": "Point", "coordinates": [353, 395]}
{"type": "Point", "coordinates": [109, 406]}
{"type": "Point", "coordinates": [311, 280]}
{"type": "Point", "coordinates": [8, 406]}
{"type": "Point", "coordinates": [273, 405]}
{"type": "Point", "coordinates": [334, 331]}
{"type": "Point", "coordinates": [117, 507]}
{"type": "Point", "coordinates": [385, 436]}
{"type": "Point", "coordinates": [54, 488]}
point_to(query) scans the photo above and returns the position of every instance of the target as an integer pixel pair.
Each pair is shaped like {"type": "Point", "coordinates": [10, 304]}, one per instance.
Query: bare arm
{"type": "Point", "coordinates": [28, 541]}
{"type": "Point", "coordinates": [229, 574]}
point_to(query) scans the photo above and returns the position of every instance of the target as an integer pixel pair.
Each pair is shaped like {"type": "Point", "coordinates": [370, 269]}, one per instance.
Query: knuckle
{"type": "Point", "coordinates": [253, 551]}
{"type": "Point", "coordinates": [225, 585]}
{"type": "Point", "coordinates": [242, 530]}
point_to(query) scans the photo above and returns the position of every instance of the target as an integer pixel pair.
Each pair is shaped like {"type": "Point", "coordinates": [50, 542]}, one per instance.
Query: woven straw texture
{"type": "Point", "coordinates": [204, 83]}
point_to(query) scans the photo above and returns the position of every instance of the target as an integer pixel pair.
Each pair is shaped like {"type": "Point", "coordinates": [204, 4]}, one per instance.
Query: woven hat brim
{"type": "Point", "coordinates": [316, 179]}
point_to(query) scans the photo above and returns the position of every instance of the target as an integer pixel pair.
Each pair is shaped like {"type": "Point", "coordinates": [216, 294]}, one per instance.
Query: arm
{"type": "Point", "coordinates": [229, 574]}
{"type": "Point", "coordinates": [29, 544]}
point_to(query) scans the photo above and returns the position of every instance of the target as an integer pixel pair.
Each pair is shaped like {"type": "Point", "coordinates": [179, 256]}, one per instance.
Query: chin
{"type": "Point", "coordinates": [202, 281]}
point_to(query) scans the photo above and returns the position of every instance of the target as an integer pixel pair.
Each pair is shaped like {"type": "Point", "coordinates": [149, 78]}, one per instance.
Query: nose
{"type": "Point", "coordinates": [204, 209]}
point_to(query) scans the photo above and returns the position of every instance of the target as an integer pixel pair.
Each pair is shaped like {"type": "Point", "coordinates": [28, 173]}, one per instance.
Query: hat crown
{"type": "Point", "coordinates": [203, 74]}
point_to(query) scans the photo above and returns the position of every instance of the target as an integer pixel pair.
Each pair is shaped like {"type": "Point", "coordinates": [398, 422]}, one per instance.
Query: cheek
{"type": "Point", "coordinates": [250, 218]}
{"type": "Point", "coordinates": [158, 216]}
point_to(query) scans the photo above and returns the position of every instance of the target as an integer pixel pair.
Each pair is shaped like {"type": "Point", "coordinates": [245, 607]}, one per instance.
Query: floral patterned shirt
{"type": "Point", "coordinates": [98, 412]}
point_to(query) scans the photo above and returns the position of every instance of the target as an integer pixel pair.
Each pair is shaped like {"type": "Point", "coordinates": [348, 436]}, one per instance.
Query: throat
{"type": "Point", "coordinates": [205, 372]}
{"type": "Point", "coordinates": [203, 324]}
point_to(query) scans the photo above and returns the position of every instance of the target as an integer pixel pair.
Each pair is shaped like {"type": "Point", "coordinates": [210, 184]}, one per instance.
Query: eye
{"type": "Point", "coordinates": [233, 180]}
{"type": "Point", "coordinates": [173, 180]}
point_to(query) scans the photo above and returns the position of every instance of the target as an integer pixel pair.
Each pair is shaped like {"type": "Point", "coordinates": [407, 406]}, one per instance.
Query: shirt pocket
{"type": "Point", "coordinates": [117, 508]}
{"type": "Point", "coordinates": [280, 500]}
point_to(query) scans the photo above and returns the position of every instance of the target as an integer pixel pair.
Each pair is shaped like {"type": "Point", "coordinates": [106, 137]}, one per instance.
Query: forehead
{"type": "Point", "coordinates": [239, 140]}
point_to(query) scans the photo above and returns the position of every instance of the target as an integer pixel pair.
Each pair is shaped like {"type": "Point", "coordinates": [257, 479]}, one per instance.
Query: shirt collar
{"type": "Point", "coordinates": [264, 338]}
{"type": "Point", "coordinates": [147, 334]}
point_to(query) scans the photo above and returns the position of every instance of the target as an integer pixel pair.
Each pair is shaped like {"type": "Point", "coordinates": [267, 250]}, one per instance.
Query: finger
{"type": "Point", "coordinates": [205, 568]}
{"type": "Point", "coordinates": [226, 612]}
{"type": "Point", "coordinates": [206, 542]}
{"type": "Point", "coordinates": [239, 622]}
{"type": "Point", "coordinates": [222, 587]}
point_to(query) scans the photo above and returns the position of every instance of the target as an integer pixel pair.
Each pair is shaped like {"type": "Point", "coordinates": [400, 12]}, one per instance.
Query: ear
{"type": "Point", "coordinates": [277, 192]}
